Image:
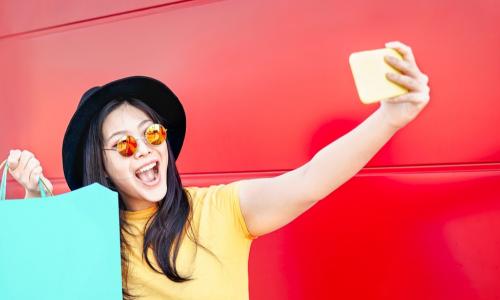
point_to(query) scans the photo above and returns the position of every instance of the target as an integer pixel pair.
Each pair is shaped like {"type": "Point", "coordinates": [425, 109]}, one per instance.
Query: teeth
{"type": "Point", "coordinates": [147, 168]}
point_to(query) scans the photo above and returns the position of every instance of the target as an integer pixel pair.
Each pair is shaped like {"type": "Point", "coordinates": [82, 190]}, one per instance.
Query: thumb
{"type": "Point", "coordinates": [47, 183]}
{"type": "Point", "coordinates": [13, 159]}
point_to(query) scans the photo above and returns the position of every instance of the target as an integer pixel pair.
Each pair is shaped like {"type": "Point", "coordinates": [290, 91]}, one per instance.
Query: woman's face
{"type": "Point", "coordinates": [138, 189]}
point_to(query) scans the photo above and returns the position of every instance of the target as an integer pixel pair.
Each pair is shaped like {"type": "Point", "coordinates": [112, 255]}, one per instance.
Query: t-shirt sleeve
{"type": "Point", "coordinates": [225, 199]}
{"type": "Point", "coordinates": [235, 208]}
{"type": "Point", "coordinates": [217, 210]}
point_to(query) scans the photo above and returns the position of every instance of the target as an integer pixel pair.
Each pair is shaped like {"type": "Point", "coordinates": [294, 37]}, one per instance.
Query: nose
{"type": "Point", "coordinates": [142, 149]}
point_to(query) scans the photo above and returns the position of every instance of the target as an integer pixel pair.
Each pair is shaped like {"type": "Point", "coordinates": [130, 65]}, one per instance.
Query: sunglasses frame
{"type": "Point", "coordinates": [144, 138]}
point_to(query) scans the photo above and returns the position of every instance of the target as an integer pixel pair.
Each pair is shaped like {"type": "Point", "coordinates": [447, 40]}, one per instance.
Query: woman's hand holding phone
{"type": "Point", "coordinates": [402, 109]}
{"type": "Point", "coordinates": [391, 76]}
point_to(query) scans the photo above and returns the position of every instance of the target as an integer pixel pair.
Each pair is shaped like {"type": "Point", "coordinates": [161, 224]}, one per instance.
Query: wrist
{"type": "Point", "coordinates": [386, 122]}
{"type": "Point", "coordinates": [31, 194]}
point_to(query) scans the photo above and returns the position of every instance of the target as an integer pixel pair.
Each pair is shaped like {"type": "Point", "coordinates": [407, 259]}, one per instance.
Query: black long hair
{"type": "Point", "coordinates": [165, 228]}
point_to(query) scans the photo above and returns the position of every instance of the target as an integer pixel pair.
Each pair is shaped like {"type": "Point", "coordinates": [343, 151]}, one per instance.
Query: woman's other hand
{"type": "Point", "coordinates": [26, 170]}
{"type": "Point", "coordinates": [400, 110]}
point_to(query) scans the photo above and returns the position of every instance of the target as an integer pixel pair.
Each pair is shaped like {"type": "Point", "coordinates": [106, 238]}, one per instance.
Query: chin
{"type": "Point", "coordinates": [155, 195]}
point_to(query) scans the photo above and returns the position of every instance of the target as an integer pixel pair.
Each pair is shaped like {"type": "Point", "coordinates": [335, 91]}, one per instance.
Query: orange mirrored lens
{"type": "Point", "coordinates": [126, 146]}
{"type": "Point", "coordinates": [156, 134]}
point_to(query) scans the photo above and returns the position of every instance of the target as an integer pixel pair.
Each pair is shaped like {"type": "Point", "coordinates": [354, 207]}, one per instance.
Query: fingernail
{"type": "Point", "coordinates": [37, 177]}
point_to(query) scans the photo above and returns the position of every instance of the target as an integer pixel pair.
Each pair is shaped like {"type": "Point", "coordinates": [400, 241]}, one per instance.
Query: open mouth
{"type": "Point", "coordinates": [149, 174]}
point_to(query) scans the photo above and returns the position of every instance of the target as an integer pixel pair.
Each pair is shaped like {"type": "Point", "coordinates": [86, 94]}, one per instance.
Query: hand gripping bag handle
{"type": "Point", "coordinates": [3, 184]}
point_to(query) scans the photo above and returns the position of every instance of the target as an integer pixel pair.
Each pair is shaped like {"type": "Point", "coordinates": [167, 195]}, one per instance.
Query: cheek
{"type": "Point", "coordinates": [118, 170]}
{"type": "Point", "coordinates": [165, 159]}
{"type": "Point", "coordinates": [165, 153]}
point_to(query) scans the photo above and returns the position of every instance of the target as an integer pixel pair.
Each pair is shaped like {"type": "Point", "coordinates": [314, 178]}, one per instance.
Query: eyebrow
{"type": "Point", "coordinates": [124, 131]}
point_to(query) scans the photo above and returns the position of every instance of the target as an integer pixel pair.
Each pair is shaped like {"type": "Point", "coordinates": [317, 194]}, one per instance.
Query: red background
{"type": "Point", "coordinates": [265, 85]}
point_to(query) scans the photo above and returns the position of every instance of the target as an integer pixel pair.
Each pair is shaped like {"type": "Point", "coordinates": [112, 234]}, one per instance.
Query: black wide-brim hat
{"type": "Point", "coordinates": [151, 91]}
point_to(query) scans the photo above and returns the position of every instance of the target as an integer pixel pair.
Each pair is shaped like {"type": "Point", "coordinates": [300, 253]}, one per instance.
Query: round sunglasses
{"type": "Point", "coordinates": [155, 135]}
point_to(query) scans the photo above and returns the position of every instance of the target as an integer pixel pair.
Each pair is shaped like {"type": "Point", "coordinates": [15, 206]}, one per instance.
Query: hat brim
{"type": "Point", "coordinates": [151, 91]}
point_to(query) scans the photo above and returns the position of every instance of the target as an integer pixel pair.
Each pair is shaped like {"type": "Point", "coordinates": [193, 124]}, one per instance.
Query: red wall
{"type": "Point", "coordinates": [265, 85]}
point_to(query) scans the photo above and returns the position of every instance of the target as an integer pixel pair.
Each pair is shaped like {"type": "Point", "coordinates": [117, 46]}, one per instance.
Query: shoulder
{"type": "Point", "coordinates": [215, 193]}
{"type": "Point", "coordinates": [220, 202]}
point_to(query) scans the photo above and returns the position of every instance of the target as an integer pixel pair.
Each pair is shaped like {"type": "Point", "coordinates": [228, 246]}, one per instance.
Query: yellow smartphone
{"type": "Point", "coordinates": [369, 69]}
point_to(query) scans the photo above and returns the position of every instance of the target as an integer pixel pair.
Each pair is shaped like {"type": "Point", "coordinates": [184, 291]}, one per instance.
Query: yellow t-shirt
{"type": "Point", "coordinates": [220, 227]}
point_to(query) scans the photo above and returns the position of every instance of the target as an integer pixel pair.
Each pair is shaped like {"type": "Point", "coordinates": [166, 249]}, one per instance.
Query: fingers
{"type": "Point", "coordinates": [34, 175]}
{"type": "Point", "coordinates": [30, 167]}
{"type": "Point", "coordinates": [25, 157]}
{"type": "Point", "coordinates": [403, 66]}
{"type": "Point", "coordinates": [47, 184]}
{"type": "Point", "coordinates": [407, 66]}
{"type": "Point", "coordinates": [13, 159]}
{"type": "Point", "coordinates": [408, 82]}
{"type": "Point", "coordinates": [25, 169]}
{"type": "Point", "coordinates": [403, 49]}
{"type": "Point", "coordinates": [420, 99]}
{"type": "Point", "coordinates": [416, 82]}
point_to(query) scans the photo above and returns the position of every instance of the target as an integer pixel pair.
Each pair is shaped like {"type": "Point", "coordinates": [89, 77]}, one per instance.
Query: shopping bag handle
{"type": "Point", "coordinates": [3, 184]}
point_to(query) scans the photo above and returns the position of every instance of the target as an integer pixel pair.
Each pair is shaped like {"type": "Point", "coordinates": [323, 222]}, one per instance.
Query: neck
{"type": "Point", "coordinates": [140, 205]}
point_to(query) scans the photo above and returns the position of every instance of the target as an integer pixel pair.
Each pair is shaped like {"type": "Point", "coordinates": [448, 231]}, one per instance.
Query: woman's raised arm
{"type": "Point", "coordinates": [270, 203]}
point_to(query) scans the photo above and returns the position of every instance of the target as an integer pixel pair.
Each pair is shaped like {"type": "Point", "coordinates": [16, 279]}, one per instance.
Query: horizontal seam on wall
{"type": "Point", "coordinates": [59, 26]}
{"type": "Point", "coordinates": [368, 171]}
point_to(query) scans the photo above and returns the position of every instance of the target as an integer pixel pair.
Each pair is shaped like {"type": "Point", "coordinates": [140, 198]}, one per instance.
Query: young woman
{"type": "Point", "coordinates": [193, 242]}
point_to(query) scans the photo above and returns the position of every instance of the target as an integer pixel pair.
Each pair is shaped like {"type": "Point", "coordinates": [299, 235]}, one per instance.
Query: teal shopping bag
{"type": "Point", "coordinates": [61, 247]}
